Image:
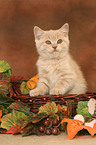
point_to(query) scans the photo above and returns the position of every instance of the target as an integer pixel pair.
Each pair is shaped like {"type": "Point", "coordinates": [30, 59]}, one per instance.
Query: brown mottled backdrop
{"type": "Point", "coordinates": [18, 17]}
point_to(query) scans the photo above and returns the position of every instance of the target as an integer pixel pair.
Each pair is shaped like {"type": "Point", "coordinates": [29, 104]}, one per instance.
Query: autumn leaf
{"type": "Point", "coordinates": [5, 74]}
{"type": "Point", "coordinates": [14, 130]}
{"type": "Point", "coordinates": [16, 82]}
{"type": "Point", "coordinates": [17, 79]}
{"type": "Point", "coordinates": [61, 108]}
{"type": "Point", "coordinates": [50, 108]}
{"type": "Point", "coordinates": [32, 82]}
{"type": "Point", "coordinates": [0, 114]}
{"type": "Point", "coordinates": [24, 88]}
{"type": "Point", "coordinates": [11, 119]}
{"type": "Point", "coordinates": [19, 106]}
{"type": "Point", "coordinates": [4, 66]}
{"type": "Point", "coordinates": [5, 101]}
{"type": "Point", "coordinates": [73, 127]}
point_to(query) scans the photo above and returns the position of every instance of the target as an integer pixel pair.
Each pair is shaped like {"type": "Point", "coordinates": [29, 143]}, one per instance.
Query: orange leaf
{"type": "Point", "coordinates": [91, 130]}
{"type": "Point", "coordinates": [0, 114]}
{"type": "Point", "coordinates": [32, 82]}
{"type": "Point", "coordinates": [14, 130]}
{"type": "Point", "coordinates": [73, 126]}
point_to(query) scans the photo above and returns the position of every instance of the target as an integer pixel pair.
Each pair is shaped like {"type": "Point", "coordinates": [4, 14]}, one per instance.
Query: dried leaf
{"type": "Point", "coordinates": [14, 130]}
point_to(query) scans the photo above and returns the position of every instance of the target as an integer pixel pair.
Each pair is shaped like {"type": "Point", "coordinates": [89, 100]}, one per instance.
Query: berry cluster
{"type": "Point", "coordinates": [49, 126]}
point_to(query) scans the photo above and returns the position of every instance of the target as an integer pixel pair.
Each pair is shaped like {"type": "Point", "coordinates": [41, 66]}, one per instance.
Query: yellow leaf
{"type": "Point", "coordinates": [32, 82]}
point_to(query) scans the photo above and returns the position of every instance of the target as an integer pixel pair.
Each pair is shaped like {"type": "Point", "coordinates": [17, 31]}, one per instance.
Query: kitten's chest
{"type": "Point", "coordinates": [52, 70]}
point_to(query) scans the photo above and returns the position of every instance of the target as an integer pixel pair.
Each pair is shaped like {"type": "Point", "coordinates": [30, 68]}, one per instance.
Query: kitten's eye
{"type": "Point", "coordinates": [59, 41]}
{"type": "Point", "coordinates": [48, 42]}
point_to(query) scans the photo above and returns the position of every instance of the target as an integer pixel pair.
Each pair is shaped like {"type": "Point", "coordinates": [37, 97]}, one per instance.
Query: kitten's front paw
{"type": "Point", "coordinates": [55, 91]}
{"type": "Point", "coordinates": [36, 92]}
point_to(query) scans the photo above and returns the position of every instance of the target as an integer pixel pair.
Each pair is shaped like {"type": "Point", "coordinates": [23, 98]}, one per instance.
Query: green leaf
{"type": "Point", "coordinates": [34, 119]}
{"type": "Point", "coordinates": [82, 109]}
{"type": "Point", "coordinates": [4, 66]}
{"type": "Point", "coordinates": [24, 88]}
{"type": "Point", "coordinates": [19, 106]}
{"type": "Point", "coordinates": [49, 108]}
{"type": "Point", "coordinates": [11, 119]}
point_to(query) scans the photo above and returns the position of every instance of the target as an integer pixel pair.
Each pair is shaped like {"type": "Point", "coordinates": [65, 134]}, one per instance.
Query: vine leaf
{"type": "Point", "coordinates": [11, 119]}
{"type": "Point", "coordinates": [50, 108]}
{"type": "Point", "coordinates": [24, 88]}
{"type": "Point", "coordinates": [19, 106]}
{"type": "Point", "coordinates": [39, 116]}
{"type": "Point", "coordinates": [82, 109]}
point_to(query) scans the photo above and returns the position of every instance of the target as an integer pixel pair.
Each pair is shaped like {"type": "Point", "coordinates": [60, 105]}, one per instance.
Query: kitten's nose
{"type": "Point", "coordinates": [54, 47]}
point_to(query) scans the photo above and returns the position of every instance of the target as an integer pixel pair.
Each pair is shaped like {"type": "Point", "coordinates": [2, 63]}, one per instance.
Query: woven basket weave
{"type": "Point", "coordinates": [36, 102]}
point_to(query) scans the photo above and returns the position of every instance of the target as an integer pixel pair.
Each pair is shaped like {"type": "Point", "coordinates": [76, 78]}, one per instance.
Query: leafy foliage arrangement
{"type": "Point", "coordinates": [17, 118]}
{"type": "Point", "coordinates": [21, 119]}
{"type": "Point", "coordinates": [5, 74]}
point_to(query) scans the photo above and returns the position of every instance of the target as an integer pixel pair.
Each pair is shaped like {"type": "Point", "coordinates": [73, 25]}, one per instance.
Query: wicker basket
{"type": "Point", "coordinates": [70, 100]}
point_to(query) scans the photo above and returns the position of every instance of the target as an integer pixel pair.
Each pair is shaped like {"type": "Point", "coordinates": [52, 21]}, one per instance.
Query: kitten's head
{"type": "Point", "coordinates": [52, 43]}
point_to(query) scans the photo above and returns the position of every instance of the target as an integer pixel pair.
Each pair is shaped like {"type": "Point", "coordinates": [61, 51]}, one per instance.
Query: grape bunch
{"type": "Point", "coordinates": [49, 126]}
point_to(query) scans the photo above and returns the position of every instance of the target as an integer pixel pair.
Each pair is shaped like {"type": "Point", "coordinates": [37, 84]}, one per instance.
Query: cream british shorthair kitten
{"type": "Point", "coordinates": [58, 71]}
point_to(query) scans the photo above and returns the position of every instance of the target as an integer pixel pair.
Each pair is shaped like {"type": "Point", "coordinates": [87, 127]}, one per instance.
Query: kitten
{"type": "Point", "coordinates": [58, 72]}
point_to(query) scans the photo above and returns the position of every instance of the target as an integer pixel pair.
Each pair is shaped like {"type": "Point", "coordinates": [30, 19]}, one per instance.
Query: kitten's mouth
{"type": "Point", "coordinates": [55, 50]}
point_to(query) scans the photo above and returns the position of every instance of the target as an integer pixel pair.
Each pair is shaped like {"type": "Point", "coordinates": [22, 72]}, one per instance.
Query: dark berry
{"type": "Point", "coordinates": [46, 123]}
{"type": "Point", "coordinates": [55, 122]}
{"type": "Point", "coordinates": [41, 128]}
{"type": "Point", "coordinates": [54, 131]}
{"type": "Point", "coordinates": [48, 131]}
{"type": "Point", "coordinates": [49, 119]}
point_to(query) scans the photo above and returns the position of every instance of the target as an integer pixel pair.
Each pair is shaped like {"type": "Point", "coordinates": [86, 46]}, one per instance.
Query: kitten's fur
{"type": "Point", "coordinates": [58, 72]}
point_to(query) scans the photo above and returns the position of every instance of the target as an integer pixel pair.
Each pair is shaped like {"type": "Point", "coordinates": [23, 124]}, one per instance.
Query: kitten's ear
{"type": "Point", "coordinates": [65, 29]}
{"type": "Point", "coordinates": [38, 32]}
